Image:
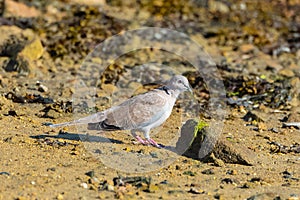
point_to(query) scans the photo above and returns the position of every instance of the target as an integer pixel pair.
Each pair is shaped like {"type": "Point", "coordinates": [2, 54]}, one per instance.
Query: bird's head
{"type": "Point", "coordinates": [180, 83]}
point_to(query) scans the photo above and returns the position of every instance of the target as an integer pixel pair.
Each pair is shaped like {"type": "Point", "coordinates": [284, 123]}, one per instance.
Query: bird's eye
{"type": "Point", "coordinates": [179, 81]}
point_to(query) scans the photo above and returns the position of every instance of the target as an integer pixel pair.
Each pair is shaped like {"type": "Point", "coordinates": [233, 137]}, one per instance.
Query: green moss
{"type": "Point", "coordinates": [200, 126]}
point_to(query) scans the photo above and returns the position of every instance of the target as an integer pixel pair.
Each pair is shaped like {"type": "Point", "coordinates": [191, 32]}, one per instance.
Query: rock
{"type": "Point", "coordinates": [2, 8]}
{"type": "Point", "coordinates": [153, 154]}
{"type": "Point", "coordinates": [110, 187]}
{"type": "Point", "coordinates": [293, 197]}
{"type": "Point", "coordinates": [270, 63]}
{"type": "Point", "coordinates": [208, 171]}
{"type": "Point", "coordinates": [293, 117]}
{"type": "Point", "coordinates": [187, 135]}
{"type": "Point", "coordinates": [223, 151]}
{"type": "Point", "coordinates": [196, 191]}
{"type": "Point", "coordinates": [287, 73]}
{"type": "Point", "coordinates": [152, 188]}
{"type": "Point", "coordinates": [190, 173]}
{"type": "Point", "coordinates": [3, 61]}
{"type": "Point", "coordinates": [90, 173]}
{"type": "Point", "coordinates": [219, 196]}
{"type": "Point", "coordinates": [176, 192]}
{"type": "Point", "coordinates": [59, 197]}
{"type": "Point", "coordinates": [5, 173]}
{"type": "Point", "coordinates": [19, 64]}
{"type": "Point", "coordinates": [84, 185]}
{"type": "Point", "coordinates": [34, 50]}
{"type": "Point", "coordinates": [247, 48]}
{"type": "Point", "coordinates": [22, 47]}
{"type": "Point", "coordinates": [262, 126]}
{"type": "Point", "coordinates": [109, 88]}
{"type": "Point", "coordinates": [90, 2]}
{"type": "Point", "coordinates": [217, 6]}
{"type": "Point", "coordinates": [263, 196]}
{"type": "Point", "coordinates": [18, 9]}
{"type": "Point", "coordinates": [233, 152]}
{"type": "Point", "coordinates": [42, 88]}
{"type": "Point", "coordinates": [256, 116]}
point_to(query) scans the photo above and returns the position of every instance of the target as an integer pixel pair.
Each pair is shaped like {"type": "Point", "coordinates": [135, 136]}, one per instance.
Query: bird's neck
{"type": "Point", "coordinates": [175, 93]}
{"type": "Point", "coordinates": [172, 92]}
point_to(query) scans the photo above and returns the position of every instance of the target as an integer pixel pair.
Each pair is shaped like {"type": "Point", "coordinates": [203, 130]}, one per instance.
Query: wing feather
{"type": "Point", "coordinates": [138, 111]}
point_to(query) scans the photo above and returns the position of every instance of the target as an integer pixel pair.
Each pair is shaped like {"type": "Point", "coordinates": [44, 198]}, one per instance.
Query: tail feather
{"type": "Point", "coordinates": [98, 117]}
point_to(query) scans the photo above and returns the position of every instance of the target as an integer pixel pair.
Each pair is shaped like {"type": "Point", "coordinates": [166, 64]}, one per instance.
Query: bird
{"type": "Point", "coordinates": [139, 113]}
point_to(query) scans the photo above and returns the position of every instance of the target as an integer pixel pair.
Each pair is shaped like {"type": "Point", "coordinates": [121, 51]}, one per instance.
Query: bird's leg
{"type": "Point", "coordinates": [151, 141]}
{"type": "Point", "coordinates": [138, 138]}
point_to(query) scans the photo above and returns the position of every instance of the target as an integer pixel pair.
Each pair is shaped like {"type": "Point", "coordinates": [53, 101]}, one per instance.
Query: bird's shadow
{"type": "Point", "coordinates": [90, 138]}
{"type": "Point", "coordinates": [78, 137]}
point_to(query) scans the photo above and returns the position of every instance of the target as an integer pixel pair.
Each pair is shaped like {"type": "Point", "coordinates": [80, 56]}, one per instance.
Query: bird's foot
{"type": "Point", "coordinates": [153, 143]}
{"type": "Point", "coordinates": [148, 142]}
{"type": "Point", "coordinates": [140, 140]}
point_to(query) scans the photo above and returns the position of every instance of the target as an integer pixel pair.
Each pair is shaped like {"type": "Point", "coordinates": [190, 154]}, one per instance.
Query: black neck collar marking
{"type": "Point", "coordinates": [165, 88]}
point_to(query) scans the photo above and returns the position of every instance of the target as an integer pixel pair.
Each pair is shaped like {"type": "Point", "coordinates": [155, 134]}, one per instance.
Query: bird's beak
{"type": "Point", "coordinates": [189, 88]}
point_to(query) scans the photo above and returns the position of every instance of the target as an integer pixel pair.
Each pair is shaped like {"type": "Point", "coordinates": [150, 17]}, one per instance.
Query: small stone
{"type": "Point", "coordinates": [43, 88]}
{"type": "Point", "coordinates": [190, 173]}
{"type": "Point", "coordinates": [287, 73]}
{"type": "Point", "coordinates": [219, 196]}
{"type": "Point", "coordinates": [217, 6]}
{"type": "Point", "coordinates": [293, 197]}
{"type": "Point", "coordinates": [90, 173]}
{"type": "Point", "coordinates": [208, 171]}
{"type": "Point", "coordinates": [177, 167]}
{"type": "Point", "coordinates": [109, 88]}
{"type": "Point", "coordinates": [84, 185]}
{"type": "Point", "coordinates": [19, 9]}
{"type": "Point", "coordinates": [232, 172]}
{"type": "Point", "coordinates": [273, 64]}
{"type": "Point", "coordinates": [5, 173]}
{"type": "Point", "coordinates": [165, 182]}
{"type": "Point", "coordinates": [262, 196]}
{"type": "Point", "coordinates": [110, 187]}
{"type": "Point", "coordinates": [152, 188]}
{"type": "Point", "coordinates": [195, 191]}
{"type": "Point", "coordinates": [153, 154]}
{"type": "Point", "coordinates": [227, 181]}
{"type": "Point", "coordinates": [262, 126]}
{"type": "Point", "coordinates": [176, 192]}
{"type": "Point", "coordinates": [12, 113]}
{"type": "Point", "coordinates": [59, 197]}
{"type": "Point", "coordinates": [247, 48]}
{"type": "Point", "coordinates": [34, 50]}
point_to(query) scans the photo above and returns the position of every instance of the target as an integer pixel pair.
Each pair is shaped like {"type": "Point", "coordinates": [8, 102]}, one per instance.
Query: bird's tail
{"type": "Point", "coordinates": [98, 117]}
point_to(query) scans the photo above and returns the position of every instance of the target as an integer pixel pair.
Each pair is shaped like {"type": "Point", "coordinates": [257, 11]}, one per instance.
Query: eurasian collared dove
{"type": "Point", "coordinates": [139, 113]}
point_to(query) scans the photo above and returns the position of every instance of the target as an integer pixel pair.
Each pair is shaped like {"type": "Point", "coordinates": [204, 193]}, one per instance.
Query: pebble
{"type": "Point", "coordinates": [5, 173]}
{"type": "Point", "coordinates": [84, 185]}
{"type": "Point", "coordinates": [164, 182]}
{"type": "Point", "coordinates": [208, 171]}
{"type": "Point", "coordinates": [246, 48]}
{"type": "Point", "coordinates": [286, 72]}
{"type": "Point", "coordinates": [176, 192]}
{"type": "Point", "coordinates": [42, 88]}
{"type": "Point", "coordinates": [263, 196]}
{"type": "Point", "coordinates": [59, 197]}
{"type": "Point", "coordinates": [190, 173]}
{"type": "Point", "coordinates": [152, 188]}
{"type": "Point", "coordinates": [110, 187]}
{"type": "Point", "coordinates": [232, 172]}
{"type": "Point", "coordinates": [195, 191]}
{"type": "Point", "coordinates": [153, 154]}
{"type": "Point", "coordinates": [90, 173]}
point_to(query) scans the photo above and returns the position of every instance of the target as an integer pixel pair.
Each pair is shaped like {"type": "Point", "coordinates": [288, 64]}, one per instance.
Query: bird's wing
{"type": "Point", "coordinates": [139, 111]}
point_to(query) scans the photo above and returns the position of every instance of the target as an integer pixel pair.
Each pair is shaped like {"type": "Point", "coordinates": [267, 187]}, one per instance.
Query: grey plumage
{"type": "Point", "coordinates": [139, 113]}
